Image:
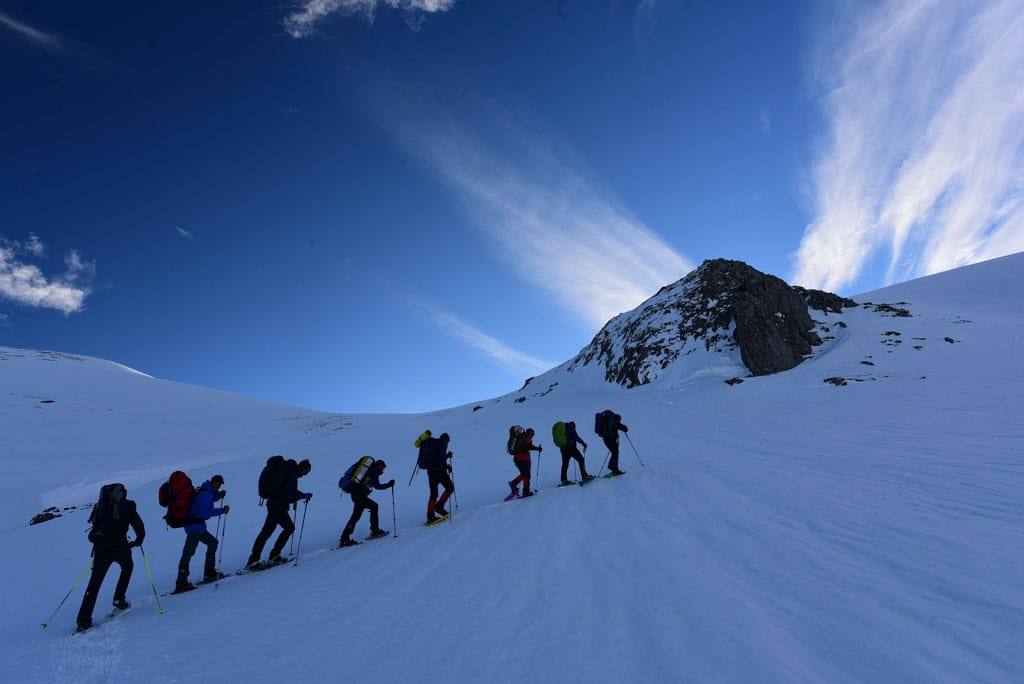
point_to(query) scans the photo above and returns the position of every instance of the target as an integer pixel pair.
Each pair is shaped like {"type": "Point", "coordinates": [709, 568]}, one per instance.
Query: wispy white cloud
{"type": "Point", "coordinates": [643, 19]}
{"type": "Point", "coordinates": [25, 283]}
{"type": "Point", "coordinates": [303, 20]}
{"type": "Point", "coordinates": [514, 362]}
{"type": "Point", "coordinates": [39, 39]}
{"type": "Point", "coordinates": [542, 211]}
{"type": "Point", "coordinates": [35, 246]}
{"type": "Point", "coordinates": [924, 158]}
{"type": "Point", "coordinates": [183, 233]}
{"type": "Point", "coordinates": [766, 122]}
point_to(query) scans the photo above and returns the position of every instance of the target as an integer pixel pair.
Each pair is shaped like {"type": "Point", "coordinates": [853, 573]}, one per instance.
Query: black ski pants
{"type": "Point", "coordinates": [361, 501]}
{"type": "Point", "coordinates": [192, 540]}
{"type": "Point", "coordinates": [439, 477]}
{"type": "Point", "coordinates": [277, 515]}
{"type": "Point", "coordinates": [612, 442]}
{"type": "Point", "coordinates": [102, 558]}
{"type": "Point", "coordinates": [569, 452]}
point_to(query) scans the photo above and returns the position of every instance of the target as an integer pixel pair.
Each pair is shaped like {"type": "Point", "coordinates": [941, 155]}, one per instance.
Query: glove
{"type": "Point", "coordinates": [391, 483]}
{"type": "Point", "coordinates": [227, 509]}
{"type": "Point", "coordinates": [307, 497]}
{"type": "Point", "coordinates": [222, 493]}
{"type": "Point", "coordinates": [540, 448]}
{"type": "Point", "coordinates": [624, 428]}
{"type": "Point", "coordinates": [450, 454]}
{"type": "Point", "coordinates": [135, 542]}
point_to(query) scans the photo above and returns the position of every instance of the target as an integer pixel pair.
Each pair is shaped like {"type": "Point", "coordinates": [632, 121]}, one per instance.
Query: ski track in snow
{"type": "Point", "coordinates": [783, 530]}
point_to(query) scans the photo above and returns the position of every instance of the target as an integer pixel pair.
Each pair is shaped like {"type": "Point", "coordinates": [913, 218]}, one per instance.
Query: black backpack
{"type": "Point", "coordinates": [606, 423]}
{"type": "Point", "coordinates": [106, 514]}
{"type": "Point", "coordinates": [273, 476]}
{"type": "Point", "coordinates": [516, 437]}
{"type": "Point", "coordinates": [428, 453]}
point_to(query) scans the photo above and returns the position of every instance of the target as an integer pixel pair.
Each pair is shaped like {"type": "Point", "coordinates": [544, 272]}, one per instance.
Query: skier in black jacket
{"type": "Point", "coordinates": [110, 519]}
{"type": "Point", "coordinates": [569, 451]}
{"type": "Point", "coordinates": [438, 475]}
{"type": "Point", "coordinates": [277, 514]}
{"type": "Point", "coordinates": [611, 440]}
{"type": "Point", "coordinates": [361, 501]}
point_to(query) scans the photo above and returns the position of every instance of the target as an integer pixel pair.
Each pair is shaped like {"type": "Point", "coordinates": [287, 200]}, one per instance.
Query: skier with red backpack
{"type": "Point", "coordinates": [279, 485]}
{"type": "Point", "coordinates": [110, 519]}
{"type": "Point", "coordinates": [200, 510]}
{"type": "Point", "coordinates": [520, 444]}
{"type": "Point", "coordinates": [607, 425]}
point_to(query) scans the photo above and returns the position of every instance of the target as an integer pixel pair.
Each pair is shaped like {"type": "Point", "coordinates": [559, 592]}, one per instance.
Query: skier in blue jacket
{"type": "Point", "coordinates": [201, 510]}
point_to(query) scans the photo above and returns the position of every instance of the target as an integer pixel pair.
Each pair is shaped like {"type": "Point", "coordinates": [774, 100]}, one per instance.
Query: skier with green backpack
{"type": "Point", "coordinates": [565, 437]}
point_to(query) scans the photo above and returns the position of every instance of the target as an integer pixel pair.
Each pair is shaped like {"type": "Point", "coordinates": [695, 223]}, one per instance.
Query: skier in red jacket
{"type": "Point", "coordinates": [522, 461]}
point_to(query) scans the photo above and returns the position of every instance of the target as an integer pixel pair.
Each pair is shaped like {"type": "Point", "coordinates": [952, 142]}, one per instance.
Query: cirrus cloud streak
{"type": "Point", "coordinates": [923, 165]}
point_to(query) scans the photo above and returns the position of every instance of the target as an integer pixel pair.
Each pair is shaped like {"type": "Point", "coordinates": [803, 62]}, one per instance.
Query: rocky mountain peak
{"type": "Point", "coordinates": [722, 306]}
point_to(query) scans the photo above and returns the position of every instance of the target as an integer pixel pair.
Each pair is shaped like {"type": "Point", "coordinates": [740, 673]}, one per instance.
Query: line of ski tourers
{"type": "Point", "coordinates": [189, 507]}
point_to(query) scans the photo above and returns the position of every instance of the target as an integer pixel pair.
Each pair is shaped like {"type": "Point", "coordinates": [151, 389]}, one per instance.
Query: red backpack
{"type": "Point", "coordinates": [176, 496]}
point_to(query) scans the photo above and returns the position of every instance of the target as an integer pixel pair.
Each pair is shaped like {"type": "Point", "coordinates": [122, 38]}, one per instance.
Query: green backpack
{"type": "Point", "coordinates": [558, 434]}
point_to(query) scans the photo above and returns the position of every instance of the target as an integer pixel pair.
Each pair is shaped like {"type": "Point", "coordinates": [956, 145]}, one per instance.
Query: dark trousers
{"type": "Point", "coordinates": [361, 501]}
{"type": "Point", "coordinates": [612, 442]}
{"type": "Point", "coordinates": [102, 558]}
{"type": "Point", "coordinates": [277, 514]}
{"type": "Point", "coordinates": [192, 540]}
{"type": "Point", "coordinates": [569, 451]}
{"type": "Point", "coordinates": [524, 474]}
{"type": "Point", "coordinates": [439, 477]}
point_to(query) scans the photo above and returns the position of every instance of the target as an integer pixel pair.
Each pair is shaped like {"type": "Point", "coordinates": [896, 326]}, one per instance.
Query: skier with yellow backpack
{"type": "Point", "coordinates": [359, 480]}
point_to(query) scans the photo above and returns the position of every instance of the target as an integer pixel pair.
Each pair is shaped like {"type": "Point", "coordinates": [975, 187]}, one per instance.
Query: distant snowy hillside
{"type": "Point", "coordinates": [856, 518]}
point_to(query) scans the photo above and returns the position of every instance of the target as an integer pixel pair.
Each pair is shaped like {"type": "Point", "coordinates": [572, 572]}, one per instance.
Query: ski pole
{"type": "Point", "coordinates": [301, 530]}
{"type": "Point", "coordinates": [223, 534]}
{"type": "Point", "coordinates": [394, 514]}
{"type": "Point", "coordinates": [606, 457]}
{"type": "Point", "coordinates": [291, 542]}
{"type": "Point", "coordinates": [149, 572]}
{"type": "Point", "coordinates": [455, 490]}
{"type": "Point", "coordinates": [78, 581]}
{"type": "Point", "coordinates": [642, 464]}
{"type": "Point", "coordinates": [415, 469]}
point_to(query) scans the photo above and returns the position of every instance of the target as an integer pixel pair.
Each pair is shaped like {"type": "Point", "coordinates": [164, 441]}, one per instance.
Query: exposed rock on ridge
{"type": "Point", "coordinates": [719, 306]}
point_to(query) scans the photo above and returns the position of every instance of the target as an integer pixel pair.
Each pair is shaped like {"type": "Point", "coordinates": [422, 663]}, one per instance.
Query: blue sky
{"type": "Point", "coordinates": [395, 205]}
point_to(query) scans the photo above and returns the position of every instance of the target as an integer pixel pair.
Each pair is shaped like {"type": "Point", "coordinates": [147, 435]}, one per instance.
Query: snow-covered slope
{"type": "Point", "coordinates": [784, 529]}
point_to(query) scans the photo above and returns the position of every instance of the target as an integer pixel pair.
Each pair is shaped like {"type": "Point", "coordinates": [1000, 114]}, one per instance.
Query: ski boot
{"type": "Point", "coordinates": [514, 487]}
{"type": "Point", "coordinates": [183, 585]}
{"type": "Point", "coordinates": [213, 576]}
{"type": "Point", "coordinates": [346, 542]}
{"type": "Point", "coordinates": [377, 534]}
{"type": "Point", "coordinates": [121, 604]}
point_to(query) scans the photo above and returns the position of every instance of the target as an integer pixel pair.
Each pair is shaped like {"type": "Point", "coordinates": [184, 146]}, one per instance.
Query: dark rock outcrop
{"type": "Point", "coordinates": [721, 305]}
